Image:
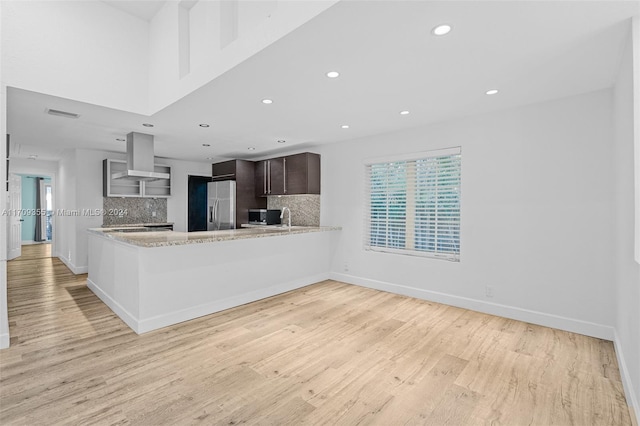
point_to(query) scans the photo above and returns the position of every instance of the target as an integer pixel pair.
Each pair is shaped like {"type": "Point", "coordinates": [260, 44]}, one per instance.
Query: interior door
{"type": "Point", "coordinates": [14, 205]}
{"type": "Point", "coordinates": [197, 203]}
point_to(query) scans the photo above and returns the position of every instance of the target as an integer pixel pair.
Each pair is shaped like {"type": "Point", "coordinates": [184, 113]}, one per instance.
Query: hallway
{"type": "Point", "coordinates": [40, 288]}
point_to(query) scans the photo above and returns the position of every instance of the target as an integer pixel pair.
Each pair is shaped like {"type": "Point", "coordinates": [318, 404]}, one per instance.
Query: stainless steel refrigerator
{"type": "Point", "coordinates": [221, 205]}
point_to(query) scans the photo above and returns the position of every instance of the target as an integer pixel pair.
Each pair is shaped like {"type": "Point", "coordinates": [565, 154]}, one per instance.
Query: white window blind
{"type": "Point", "coordinates": [413, 204]}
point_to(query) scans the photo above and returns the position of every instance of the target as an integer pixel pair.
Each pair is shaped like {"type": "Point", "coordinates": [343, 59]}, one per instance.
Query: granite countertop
{"type": "Point", "coordinates": [171, 238]}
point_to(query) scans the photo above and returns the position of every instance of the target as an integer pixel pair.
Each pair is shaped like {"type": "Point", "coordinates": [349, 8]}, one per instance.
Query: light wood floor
{"type": "Point", "coordinates": [329, 353]}
{"type": "Point", "coordinates": [35, 251]}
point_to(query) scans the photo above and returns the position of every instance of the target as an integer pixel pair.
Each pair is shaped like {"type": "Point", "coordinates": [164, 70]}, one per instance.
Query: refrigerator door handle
{"type": "Point", "coordinates": [210, 214]}
{"type": "Point", "coordinates": [215, 213]}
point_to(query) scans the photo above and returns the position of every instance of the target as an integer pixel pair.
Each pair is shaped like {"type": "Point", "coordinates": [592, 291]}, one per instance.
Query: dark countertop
{"type": "Point", "coordinates": [137, 225]}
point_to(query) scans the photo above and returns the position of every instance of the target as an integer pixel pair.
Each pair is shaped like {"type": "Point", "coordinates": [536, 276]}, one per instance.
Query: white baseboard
{"type": "Point", "coordinates": [124, 315]}
{"type": "Point", "coordinates": [627, 383]}
{"type": "Point", "coordinates": [4, 341]}
{"type": "Point", "coordinates": [149, 324]}
{"type": "Point", "coordinates": [73, 268]}
{"type": "Point", "coordinates": [540, 318]}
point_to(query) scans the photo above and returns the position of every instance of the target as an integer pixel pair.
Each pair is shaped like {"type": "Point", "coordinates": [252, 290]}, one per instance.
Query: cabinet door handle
{"type": "Point", "coordinates": [264, 178]}
{"type": "Point", "coordinates": [269, 176]}
{"type": "Point", "coordinates": [284, 171]}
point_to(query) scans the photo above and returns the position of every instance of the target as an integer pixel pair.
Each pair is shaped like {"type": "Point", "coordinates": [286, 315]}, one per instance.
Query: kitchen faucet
{"type": "Point", "coordinates": [282, 215]}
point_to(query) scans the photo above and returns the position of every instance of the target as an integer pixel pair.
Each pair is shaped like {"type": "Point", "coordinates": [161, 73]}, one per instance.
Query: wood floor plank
{"type": "Point", "coordinates": [330, 353]}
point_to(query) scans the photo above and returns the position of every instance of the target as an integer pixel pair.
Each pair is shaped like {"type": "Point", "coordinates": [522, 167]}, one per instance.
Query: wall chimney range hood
{"type": "Point", "coordinates": [140, 159]}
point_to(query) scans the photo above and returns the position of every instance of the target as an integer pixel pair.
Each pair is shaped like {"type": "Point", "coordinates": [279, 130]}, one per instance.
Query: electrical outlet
{"type": "Point", "coordinates": [345, 267]}
{"type": "Point", "coordinates": [153, 214]}
{"type": "Point", "coordinates": [488, 291]}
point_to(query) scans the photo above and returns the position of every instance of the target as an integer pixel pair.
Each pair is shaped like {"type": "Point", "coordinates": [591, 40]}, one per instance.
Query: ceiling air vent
{"type": "Point", "coordinates": [62, 113]}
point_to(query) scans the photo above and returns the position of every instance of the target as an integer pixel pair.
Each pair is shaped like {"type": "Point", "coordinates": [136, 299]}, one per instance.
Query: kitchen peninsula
{"type": "Point", "coordinates": [156, 279]}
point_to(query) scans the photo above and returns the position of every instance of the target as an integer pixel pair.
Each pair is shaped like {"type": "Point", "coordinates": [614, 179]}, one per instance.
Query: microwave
{"type": "Point", "coordinates": [264, 217]}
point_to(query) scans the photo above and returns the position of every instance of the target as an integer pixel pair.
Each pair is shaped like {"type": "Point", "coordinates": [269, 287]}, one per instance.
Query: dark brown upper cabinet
{"type": "Point", "coordinates": [242, 172]}
{"type": "Point", "coordinates": [270, 177]}
{"type": "Point", "coordinates": [290, 175]}
{"type": "Point", "coordinates": [261, 178]}
{"type": "Point", "coordinates": [302, 174]}
{"type": "Point", "coordinates": [224, 171]}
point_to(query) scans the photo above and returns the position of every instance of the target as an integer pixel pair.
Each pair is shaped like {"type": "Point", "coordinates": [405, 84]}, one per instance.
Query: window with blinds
{"type": "Point", "coordinates": [413, 204]}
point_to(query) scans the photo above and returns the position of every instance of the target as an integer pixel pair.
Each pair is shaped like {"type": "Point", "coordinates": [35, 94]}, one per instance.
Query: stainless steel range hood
{"type": "Point", "coordinates": [140, 159]}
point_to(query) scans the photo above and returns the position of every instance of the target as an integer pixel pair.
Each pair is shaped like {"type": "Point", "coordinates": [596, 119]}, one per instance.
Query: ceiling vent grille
{"type": "Point", "coordinates": [62, 113]}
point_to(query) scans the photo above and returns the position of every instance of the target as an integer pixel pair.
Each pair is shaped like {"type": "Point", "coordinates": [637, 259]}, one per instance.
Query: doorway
{"type": "Point", "coordinates": [31, 201]}
{"type": "Point", "coordinates": [197, 203]}
{"type": "Point", "coordinates": [37, 209]}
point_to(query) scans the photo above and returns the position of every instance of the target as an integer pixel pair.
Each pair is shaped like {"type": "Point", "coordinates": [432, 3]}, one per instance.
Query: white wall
{"type": "Point", "coordinates": [88, 196]}
{"type": "Point", "coordinates": [258, 25]}
{"type": "Point", "coordinates": [92, 52]}
{"type": "Point", "coordinates": [178, 203]}
{"type": "Point", "coordinates": [627, 277]}
{"type": "Point", "coordinates": [82, 50]}
{"type": "Point", "coordinates": [80, 176]}
{"type": "Point", "coordinates": [66, 199]}
{"type": "Point", "coordinates": [36, 167]}
{"type": "Point", "coordinates": [536, 214]}
{"type": "Point", "coordinates": [635, 46]}
{"type": "Point", "coordinates": [4, 319]}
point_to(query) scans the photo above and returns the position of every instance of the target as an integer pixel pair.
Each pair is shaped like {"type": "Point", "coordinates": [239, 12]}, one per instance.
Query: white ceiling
{"type": "Point", "coordinates": [143, 9]}
{"type": "Point", "coordinates": [388, 60]}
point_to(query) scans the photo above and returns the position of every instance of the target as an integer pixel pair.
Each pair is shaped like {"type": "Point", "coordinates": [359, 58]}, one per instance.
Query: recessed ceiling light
{"type": "Point", "coordinates": [281, 141]}
{"type": "Point", "coordinates": [267, 101]}
{"type": "Point", "coordinates": [206, 144]}
{"type": "Point", "coordinates": [209, 158]}
{"type": "Point", "coordinates": [203, 125]}
{"type": "Point", "coordinates": [491, 92]}
{"type": "Point", "coordinates": [441, 30]}
{"type": "Point", "coordinates": [345, 126]}
{"type": "Point", "coordinates": [32, 157]}
{"type": "Point", "coordinates": [405, 112]}
{"type": "Point", "coordinates": [120, 140]}
{"type": "Point", "coordinates": [147, 125]}
{"type": "Point", "coordinates": [251, 148]}
{"type": "Point", "coordinates": [333, 74]}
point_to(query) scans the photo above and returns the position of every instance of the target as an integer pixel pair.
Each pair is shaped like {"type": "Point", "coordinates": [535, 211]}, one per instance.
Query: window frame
{"type": "Point", "coordinates": [415, 158]}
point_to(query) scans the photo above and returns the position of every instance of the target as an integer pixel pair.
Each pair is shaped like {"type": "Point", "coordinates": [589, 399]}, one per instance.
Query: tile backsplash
{"type": "Point", "coordinates": [135, 210]}
{"type": "Point", "coordinates": [305, 209]}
